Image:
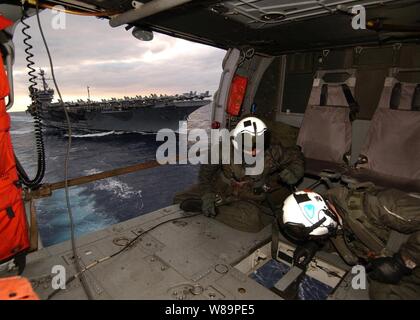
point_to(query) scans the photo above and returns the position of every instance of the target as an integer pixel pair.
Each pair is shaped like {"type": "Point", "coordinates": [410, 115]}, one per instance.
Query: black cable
{"type": "Point", "coordinates": [66, 162]}
{"type": "Point", "coordinates": [128, 245]}
{"type": "Point", "coordinates": [39, 141]}
{"type": "Point", "coordinates": [29, 54]}
{"type": "Point", "coordinates": [148, 230]}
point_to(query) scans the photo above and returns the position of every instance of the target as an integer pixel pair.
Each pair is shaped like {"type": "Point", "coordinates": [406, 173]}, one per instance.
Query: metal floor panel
{"type": "Point", "coordinates": [186, 259]}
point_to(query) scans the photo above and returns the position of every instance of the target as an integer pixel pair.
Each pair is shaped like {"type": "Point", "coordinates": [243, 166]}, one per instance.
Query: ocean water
{"type": "Point", "coordinates": [105, 202]}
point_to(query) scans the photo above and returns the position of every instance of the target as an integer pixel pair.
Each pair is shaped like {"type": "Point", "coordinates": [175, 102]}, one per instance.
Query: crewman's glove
{"type": "Point", "coordinates": [209, 204]}
{"type": "Point", "coordinates": [287, 176]}
{"type": "Point", "coordinates": [305, 253]}
{"type": "Point", "coordinates": [388, 269]}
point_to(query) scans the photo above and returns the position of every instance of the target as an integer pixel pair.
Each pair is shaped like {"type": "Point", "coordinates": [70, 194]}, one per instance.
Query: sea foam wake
{"type": "Point", "coordinates": [106, 133]}
{"type": "Point", "coordinates": [21, 131]}
{"type": "Point", "coordinates": [118, 188]}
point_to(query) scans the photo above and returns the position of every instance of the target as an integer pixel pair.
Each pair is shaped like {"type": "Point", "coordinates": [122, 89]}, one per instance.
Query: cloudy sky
{"type": "Point", "coordinates": [88, 52]}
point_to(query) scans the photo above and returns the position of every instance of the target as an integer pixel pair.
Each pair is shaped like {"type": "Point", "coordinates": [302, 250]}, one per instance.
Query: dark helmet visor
{"type": "Point", "coordinates": [299, 232]}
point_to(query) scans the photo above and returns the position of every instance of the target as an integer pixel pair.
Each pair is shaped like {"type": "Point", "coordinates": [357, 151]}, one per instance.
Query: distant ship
{"type": "Point", "coordinates": [130, 114]}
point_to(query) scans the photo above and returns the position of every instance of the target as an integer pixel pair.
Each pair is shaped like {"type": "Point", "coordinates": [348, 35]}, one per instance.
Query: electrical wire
{"type": "Point", "coordinates": [80, 13]}
{"type": "Point", "coordinates": [39, 140]}
{"type": "Point", "coordinates": [127, 246]}
{"type": "Point", "coordinates": [66, 163]}
{"type": "Point", "coordinates": [330, 273]}
{"type": "Point", "coordinates": [74, 5]}
{"type": "Point", "coordinates": [84, 12]}
{"type": "Point", "coordinates": [29, 54]}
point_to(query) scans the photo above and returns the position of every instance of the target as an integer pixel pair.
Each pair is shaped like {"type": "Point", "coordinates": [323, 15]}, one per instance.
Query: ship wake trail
{"type": "Point", "coordinates": [119, 189]}
{"type": "Point", "coordinates": [95, 135]}
{"type": "Point", "coordinates": [107, 133]}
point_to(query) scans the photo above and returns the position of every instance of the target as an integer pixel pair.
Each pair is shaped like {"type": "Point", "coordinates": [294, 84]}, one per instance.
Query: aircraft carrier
{"type": "Point", "coordinates": [130, 114]}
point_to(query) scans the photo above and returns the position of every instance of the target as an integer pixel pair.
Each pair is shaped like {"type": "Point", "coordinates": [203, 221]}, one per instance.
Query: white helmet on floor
{"type": "Point", "coordinates": [306, 215]}
{"type": "Point", "coordinates": [247, 131]}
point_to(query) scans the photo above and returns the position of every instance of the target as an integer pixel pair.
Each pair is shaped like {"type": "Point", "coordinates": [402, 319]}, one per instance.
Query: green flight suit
{"type": "Point", "coordinates": [243, 199]}
{"type": "Point", "coordinates": [381, 212]}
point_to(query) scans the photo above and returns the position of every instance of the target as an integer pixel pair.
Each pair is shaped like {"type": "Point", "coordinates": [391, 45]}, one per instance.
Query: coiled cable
{"type": "Point", "coordinates": [77, 261]}
{"type": "Point", "coordinates": [34, 110]}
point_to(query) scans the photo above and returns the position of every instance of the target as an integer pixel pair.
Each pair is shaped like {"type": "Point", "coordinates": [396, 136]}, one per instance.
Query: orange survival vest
{"type": "Point", "coordinates": [14, 238]}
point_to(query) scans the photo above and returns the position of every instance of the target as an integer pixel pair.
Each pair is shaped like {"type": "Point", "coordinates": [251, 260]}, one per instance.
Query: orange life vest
{"type": "Point", "coordinates": [16, 288]}
{"type": "Point", "coordinates": [14, 238]}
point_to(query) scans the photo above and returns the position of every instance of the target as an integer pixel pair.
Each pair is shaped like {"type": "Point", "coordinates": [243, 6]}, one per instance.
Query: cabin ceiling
{"type": "Point", "coordinates": [278, 26]}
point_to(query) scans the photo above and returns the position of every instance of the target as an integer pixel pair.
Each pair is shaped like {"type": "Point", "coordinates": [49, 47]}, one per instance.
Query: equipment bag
{"type": "Point", "coordinates": [14, 239]}
{"type": "Point", "coordinates": [381, 219]}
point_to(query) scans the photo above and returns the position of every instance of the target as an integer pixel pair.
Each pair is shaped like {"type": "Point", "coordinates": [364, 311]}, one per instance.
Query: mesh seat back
{"type": "Point", "coordinates": [392, 146]}
{"type": "Point", "coordinates": [325, 133]}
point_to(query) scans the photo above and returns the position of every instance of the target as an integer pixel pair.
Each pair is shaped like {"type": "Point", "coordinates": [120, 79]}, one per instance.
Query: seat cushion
{"type": "Point", "coordinates": [392, 146]}
{"type": "Point", "coordinates": [325, 133]}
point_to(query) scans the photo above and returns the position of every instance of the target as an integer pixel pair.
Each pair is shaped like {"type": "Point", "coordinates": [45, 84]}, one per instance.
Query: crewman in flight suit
{"type": "Point", "coordinates": [236, 197]}
{"type": "Point", "coordinates": [368, 225]}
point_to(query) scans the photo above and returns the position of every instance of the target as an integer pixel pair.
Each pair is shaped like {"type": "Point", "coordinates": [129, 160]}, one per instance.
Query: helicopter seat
{"type": "Point", "coordinates": [391, 153]}
{"type": "Point", "coordinates": [325, 134]}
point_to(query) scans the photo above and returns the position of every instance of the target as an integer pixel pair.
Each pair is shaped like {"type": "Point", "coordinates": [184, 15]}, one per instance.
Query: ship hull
{"type": "Point", "coordinates": [142, 119]}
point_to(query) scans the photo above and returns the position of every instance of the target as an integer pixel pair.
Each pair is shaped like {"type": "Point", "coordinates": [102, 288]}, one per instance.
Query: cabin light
{"type": "Point", "coordinates": [220, 9]}
{"type": "Point", "coordinates": [142, 34]}
{"type": "Point", "coordinates": [275, 16]}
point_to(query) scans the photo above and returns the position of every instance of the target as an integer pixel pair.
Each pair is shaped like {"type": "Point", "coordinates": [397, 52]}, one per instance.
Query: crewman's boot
{"type": "Point", "coordinates": [191, 205]}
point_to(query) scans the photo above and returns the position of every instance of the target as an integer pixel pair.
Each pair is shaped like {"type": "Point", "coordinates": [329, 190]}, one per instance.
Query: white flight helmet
{"type": "Point", "coordinates": [307, 216]}
{"type": "Point", "coordinates": [247, 131]}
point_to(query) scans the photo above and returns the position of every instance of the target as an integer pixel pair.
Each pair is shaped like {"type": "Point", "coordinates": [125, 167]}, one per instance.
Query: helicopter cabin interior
{"type": "Point", "coordinates": [350, 98]}
{"type": "Point", "coordinates": [357, 109]}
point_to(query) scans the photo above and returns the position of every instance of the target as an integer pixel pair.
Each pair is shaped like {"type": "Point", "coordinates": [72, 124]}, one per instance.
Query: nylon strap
{"type": "Point", "coordinates": [344, 251]}
{"type": "Point", "coordinates": [358, 222]}
{"type": "Point", "coordinates": [324, 95]}
{"type": "Point", "coordinates": [394, 102]}
{"type": "Point", "coordinates": [275, 239]}
{"type": "Point", "coordinates": [353, 105]}
{"type": "Point", "coordinates": [10, 212]}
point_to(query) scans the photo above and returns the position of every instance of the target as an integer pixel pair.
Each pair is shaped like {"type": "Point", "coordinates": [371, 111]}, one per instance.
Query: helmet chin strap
{"type": "Point", "coordinates": [316, 225]}
{"type": "Point", "coordinates": [336, 215]}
